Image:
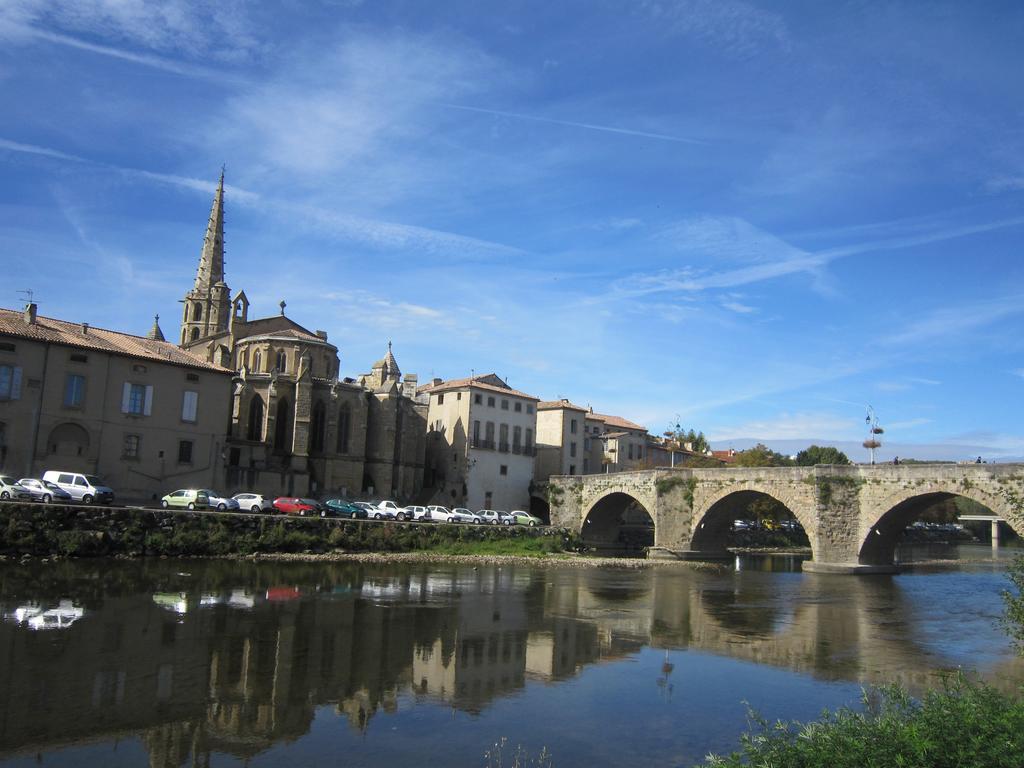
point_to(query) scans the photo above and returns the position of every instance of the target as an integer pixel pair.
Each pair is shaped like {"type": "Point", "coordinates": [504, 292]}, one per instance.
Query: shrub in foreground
{"type": "Point", "coordinates": [961, 725]}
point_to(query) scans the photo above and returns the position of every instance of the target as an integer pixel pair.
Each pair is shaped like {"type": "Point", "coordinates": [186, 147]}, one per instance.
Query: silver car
{"type": "Point", "coordinates": [12, 489]}
{"type": "Point", "coordinates": [221, 503]}
{"type": "Point", "coordinates": [463, 515]}
{"type": "Point", "coordinates": [494, 517]}
{"type": "Point", "coordinates": [43, 490]}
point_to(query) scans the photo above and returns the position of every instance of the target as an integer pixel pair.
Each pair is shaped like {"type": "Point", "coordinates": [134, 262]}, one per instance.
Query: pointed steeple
{"type": "Point", "coordinates": [211, 262]}
{"type": "Point", "coordinates": [155, 333]}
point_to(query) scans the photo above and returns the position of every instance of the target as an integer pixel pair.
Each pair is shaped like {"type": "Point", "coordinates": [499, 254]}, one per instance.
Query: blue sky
{"type": "Point", "coordinates": [754, 218]}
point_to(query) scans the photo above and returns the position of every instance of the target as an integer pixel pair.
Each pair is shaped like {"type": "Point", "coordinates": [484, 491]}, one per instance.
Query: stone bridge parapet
{"type": "Point", "coordinates": [853, 514]}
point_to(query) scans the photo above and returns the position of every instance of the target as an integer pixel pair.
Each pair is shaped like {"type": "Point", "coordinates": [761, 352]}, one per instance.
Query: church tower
{"type": "Point", "coordinates": [207, 310]}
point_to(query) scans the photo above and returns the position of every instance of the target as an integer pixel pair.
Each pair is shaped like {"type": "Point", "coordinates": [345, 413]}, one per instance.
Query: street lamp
{"type": "Point", "coordinates": [873, 442]}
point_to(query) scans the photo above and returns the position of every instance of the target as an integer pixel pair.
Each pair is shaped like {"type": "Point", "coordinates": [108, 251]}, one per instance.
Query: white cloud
{"type": "Point", "coordinates": [954, 322]}
{"type": "Point", "coordinates": [788, 426]}
{"type": "Point", "coordinates": [737, 307]}
{"type": "Point", "coordinates": [732, 26]}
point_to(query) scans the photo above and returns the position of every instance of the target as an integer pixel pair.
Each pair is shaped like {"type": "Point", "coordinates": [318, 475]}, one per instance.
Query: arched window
{"type": "Point", "coordinates": [243, 359]}
{"type": "Point", "coordinates": [257, 361]}
{"type": "Point", "coordinates": [317, 425]}
{"type": "Point", "coordinates": [255, 431]}
{"type": "Point", "coordinates": [343, 427]}
{"type": "Point", "coordinates": [197, 311]}
{"type": "Point", "coordinates": [283, 426]}
{"type": "Point", "coordinates": [238, 309]}
{"type": "Point", "coordinates": [195, 334]}
{"type": "Point", "coordinates": [282, 361]}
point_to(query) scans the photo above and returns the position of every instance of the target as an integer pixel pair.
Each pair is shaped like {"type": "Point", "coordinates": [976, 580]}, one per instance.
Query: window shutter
{"type": "Point", "coordinates": [148, 407]}
{"type": "Point", "coordinates": [189, 405]}
{"type": "Point", "coordinates": [16, 383]}
{"type": "Point", "coordinates": [126, 397]}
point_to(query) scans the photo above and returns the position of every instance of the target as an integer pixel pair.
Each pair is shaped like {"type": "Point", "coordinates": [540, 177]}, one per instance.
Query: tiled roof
{"type": "Point", "coordinates": [616, 421]}
{"type": "Point", "coordinates": [476, 382]}
{"type": "Point", "coordinates": [47, 329]}
{"type": "Point", "coordinates": [549, 405]}
{"type": "Point", "coordinates": [277, 325]}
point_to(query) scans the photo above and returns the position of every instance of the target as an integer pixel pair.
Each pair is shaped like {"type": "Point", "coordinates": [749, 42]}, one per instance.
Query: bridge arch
{"type": "Point", "coordinates": [713, 520]}
{"type": "Point", "coordinates": [618, 520]}
{"type": "Point", "coordinates": [896, 512]}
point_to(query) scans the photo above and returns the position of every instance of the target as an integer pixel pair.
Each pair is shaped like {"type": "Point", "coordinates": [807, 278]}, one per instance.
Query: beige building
{"type": "Point", "coordinates": [573, 440]}
{"type": "Point", "coordinates": [144, 415]}
{"type": "Point", "coordinates": [297, 428]}
{"type": "Point", "coordinates": [480, 443]}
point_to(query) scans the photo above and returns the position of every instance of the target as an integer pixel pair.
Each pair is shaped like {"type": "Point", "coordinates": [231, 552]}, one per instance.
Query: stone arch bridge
{"type": "Point", "coordinates": [853, 515]}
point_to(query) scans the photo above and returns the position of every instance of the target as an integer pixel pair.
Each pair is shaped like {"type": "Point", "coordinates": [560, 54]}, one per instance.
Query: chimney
{"type": "Point", "coordinates": [85, 328]}
{"type": "Point", "coordinates": [322, 335]}
{"type": "Point", "coordinates": [435, 381]}
{"type": "Point", "coordinates": [30, 313]}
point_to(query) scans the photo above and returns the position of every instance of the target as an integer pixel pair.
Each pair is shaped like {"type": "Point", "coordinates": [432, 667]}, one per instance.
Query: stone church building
{"type": "Point", "coordinates": [296, 427]}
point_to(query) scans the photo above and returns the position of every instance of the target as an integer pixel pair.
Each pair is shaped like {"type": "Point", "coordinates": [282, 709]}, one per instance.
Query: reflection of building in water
{"type": "Point", "coordinates": [561, 649]}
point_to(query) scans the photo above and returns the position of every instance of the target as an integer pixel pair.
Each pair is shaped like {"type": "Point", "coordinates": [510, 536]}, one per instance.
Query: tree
{"type": "Point", "coordinates": [761, 456]}
{"type": "Point", "coordinates": [688, 437]}
{"type": "Point", "coordinates": [821, 454]}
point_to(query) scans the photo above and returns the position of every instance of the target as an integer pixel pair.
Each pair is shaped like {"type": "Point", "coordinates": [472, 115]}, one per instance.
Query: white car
{"type": "Point", "coordinates": [251, 502]}
{"type": "Point", "coordinates": [375, 512]}
{"type": "Point", "coordinates": [390, 506]}
{"type": "Point", "coordinates": [10, 488]}
{"type": "Point", "coordinates": [463, 515]}
{"type": "Point", "coordinates": [440, 514]}
{"type": "Point", "coordinates": [414, 512]}
{"type": "Point", "coordinates": [494, 517]}
{"type": "Point", "coordinates": [221, 503]}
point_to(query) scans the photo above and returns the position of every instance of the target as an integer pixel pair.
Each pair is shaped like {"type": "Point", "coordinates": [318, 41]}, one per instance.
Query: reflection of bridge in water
{"type": "Point", "coordinates": [853, 515]}
{"type": "Point", "coordinates": [234, 671]}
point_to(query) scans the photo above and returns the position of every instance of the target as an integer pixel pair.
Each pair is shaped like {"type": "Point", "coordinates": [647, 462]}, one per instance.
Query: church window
{"type": "Point", "coordinates": [343, 429]}
{"type": "Point", "coordinates": [195, 334]}
{"type": "Point", "coordinates": [282, 426]}
{"type": "Point", "coordinates": [257, 361]}
{"type": "Point", "coordinates": [243, 359]}
{"type": "Point", "coordinates": [197, 311]}
{"type": "Point", "coordinates": [318, 426]}
{"type": "Point", "coordinates": [282, 361]}
{"type": "Point", "coordinates": [255, 431]}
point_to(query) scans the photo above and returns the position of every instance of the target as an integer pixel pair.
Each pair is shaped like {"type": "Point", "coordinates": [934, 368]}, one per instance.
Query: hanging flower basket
{"type": "Point", "coordinates": [872, 444]}
{"type": "Point", "coordinates": [877, 430]}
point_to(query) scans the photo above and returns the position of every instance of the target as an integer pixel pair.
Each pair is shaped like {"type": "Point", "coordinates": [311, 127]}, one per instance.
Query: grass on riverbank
{"type": "Point", "coordinates": [961, 725]}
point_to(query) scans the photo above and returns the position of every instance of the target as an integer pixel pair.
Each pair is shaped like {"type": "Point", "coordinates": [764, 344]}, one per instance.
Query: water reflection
{"type": "Point", "coordinates": [233, 658]}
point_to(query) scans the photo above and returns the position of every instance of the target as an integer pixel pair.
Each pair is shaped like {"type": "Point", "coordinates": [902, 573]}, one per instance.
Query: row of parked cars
{"type": "Point", "coordinates": [56, 486]}
{"type": "Point", "coordinates": [205, 498]}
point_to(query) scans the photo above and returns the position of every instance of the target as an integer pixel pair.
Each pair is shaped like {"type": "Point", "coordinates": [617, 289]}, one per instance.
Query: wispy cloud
{"type": "Point", "coordinates": [575, 124]}
{"type": "Point", "coordinates": [732, 26]}
{"type": "Point", "coordinates": [953, 322]}
{"type": "Point", "coordinates": [785, 426]}
{"type": "Point", "coordinates": [32, 149]}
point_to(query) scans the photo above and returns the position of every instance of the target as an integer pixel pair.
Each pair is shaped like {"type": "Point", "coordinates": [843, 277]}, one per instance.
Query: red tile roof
{"type": "Point", "coordinates": [477, 382]}
{"type": "Point", "coordinates": [47, 329]}
{"type": "Point", "coordinates": [616, 421]}
{"type": "Point", "coordinates": [550, 405]}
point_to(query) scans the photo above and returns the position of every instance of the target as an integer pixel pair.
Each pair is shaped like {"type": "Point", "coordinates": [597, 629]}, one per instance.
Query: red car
{"type": "Point", "coordinates": [290, 505]}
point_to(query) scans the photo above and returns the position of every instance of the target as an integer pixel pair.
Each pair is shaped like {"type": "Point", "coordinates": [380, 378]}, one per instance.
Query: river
{"type": "Point", "coordinates": [169, 663]}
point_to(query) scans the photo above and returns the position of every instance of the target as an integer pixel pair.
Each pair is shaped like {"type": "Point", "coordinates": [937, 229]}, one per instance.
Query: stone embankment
{"type": "Point", "coordinates": [36, 530]}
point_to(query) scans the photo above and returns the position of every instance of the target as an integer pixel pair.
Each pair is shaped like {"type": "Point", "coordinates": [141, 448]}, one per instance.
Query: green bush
{"type": "Point", "coordinates": [963, 725]}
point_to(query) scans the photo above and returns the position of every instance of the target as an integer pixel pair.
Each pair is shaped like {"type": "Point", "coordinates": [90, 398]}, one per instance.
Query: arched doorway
{"type": "Point", "coordinates": [540, 508]}
{"type": "Point", "coordinates": [68, 440]}
{"type": "Point", "coordinates": [618, 523]}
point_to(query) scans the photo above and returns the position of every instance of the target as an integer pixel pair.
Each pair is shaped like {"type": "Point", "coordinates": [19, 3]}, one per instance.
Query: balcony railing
{"type": "Point", "coordinates": [487, 445]}
{"type": "Point", "coordinates": [503, 447]}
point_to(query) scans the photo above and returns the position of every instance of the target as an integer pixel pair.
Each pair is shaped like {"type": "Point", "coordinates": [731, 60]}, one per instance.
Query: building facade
{"type": "Point", "coordinates": [480, 443]}
{"type": "Point", "coordinates": [139, 412]}
{"type": "Point", "coordinates": [296, 427]}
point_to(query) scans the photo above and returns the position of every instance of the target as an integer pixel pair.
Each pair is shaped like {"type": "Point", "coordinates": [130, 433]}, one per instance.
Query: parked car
{"type": "Point", "coordinates": [291, 505]}
{"type": "Point", "coordinates": [221, 503]}
{"type": "Point", "coordinates": [251, 502]}
{"type": "Point", "coordinates": [83, 488]}
{"type": "Point", "coordinates": [414, 512]}
{"type": "Point", "coordinates": [342, 508]}
{"type": "Point", "coordinates": [440, 514]}
{"type": "Point", "coordinates": [519, 517]}
{"type": "Point", "coordinates": [44, 491]}
{"type": "Point", "coordinates": [494, 517]}
{"type": "Point", "coordinates": [12, 489]}
{"type": "Point", "coordinates": [390, 506]}
{"type": "Point", "coordinates": [186, 498]}
{"type": "Point", "coordinates": [463, 515]}
{"type": "Point", "coordinates": [372, 510]}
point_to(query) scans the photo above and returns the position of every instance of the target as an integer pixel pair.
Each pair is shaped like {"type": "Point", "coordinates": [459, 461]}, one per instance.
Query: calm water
{"type": "Point", "coordinates": [200, 663]}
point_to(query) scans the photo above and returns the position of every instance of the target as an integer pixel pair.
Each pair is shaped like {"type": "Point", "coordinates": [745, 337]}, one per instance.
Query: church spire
{"type": "Point", "coordinates": [211, 262]}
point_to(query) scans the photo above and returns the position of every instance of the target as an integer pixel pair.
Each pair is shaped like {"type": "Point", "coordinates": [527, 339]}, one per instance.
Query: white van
{"type": "Point", "coordinates": [84, 488]}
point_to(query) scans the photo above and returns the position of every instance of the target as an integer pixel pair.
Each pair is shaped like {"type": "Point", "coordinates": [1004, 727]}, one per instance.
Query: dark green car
{"type": "Point", "coordinates": [341, 508]}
